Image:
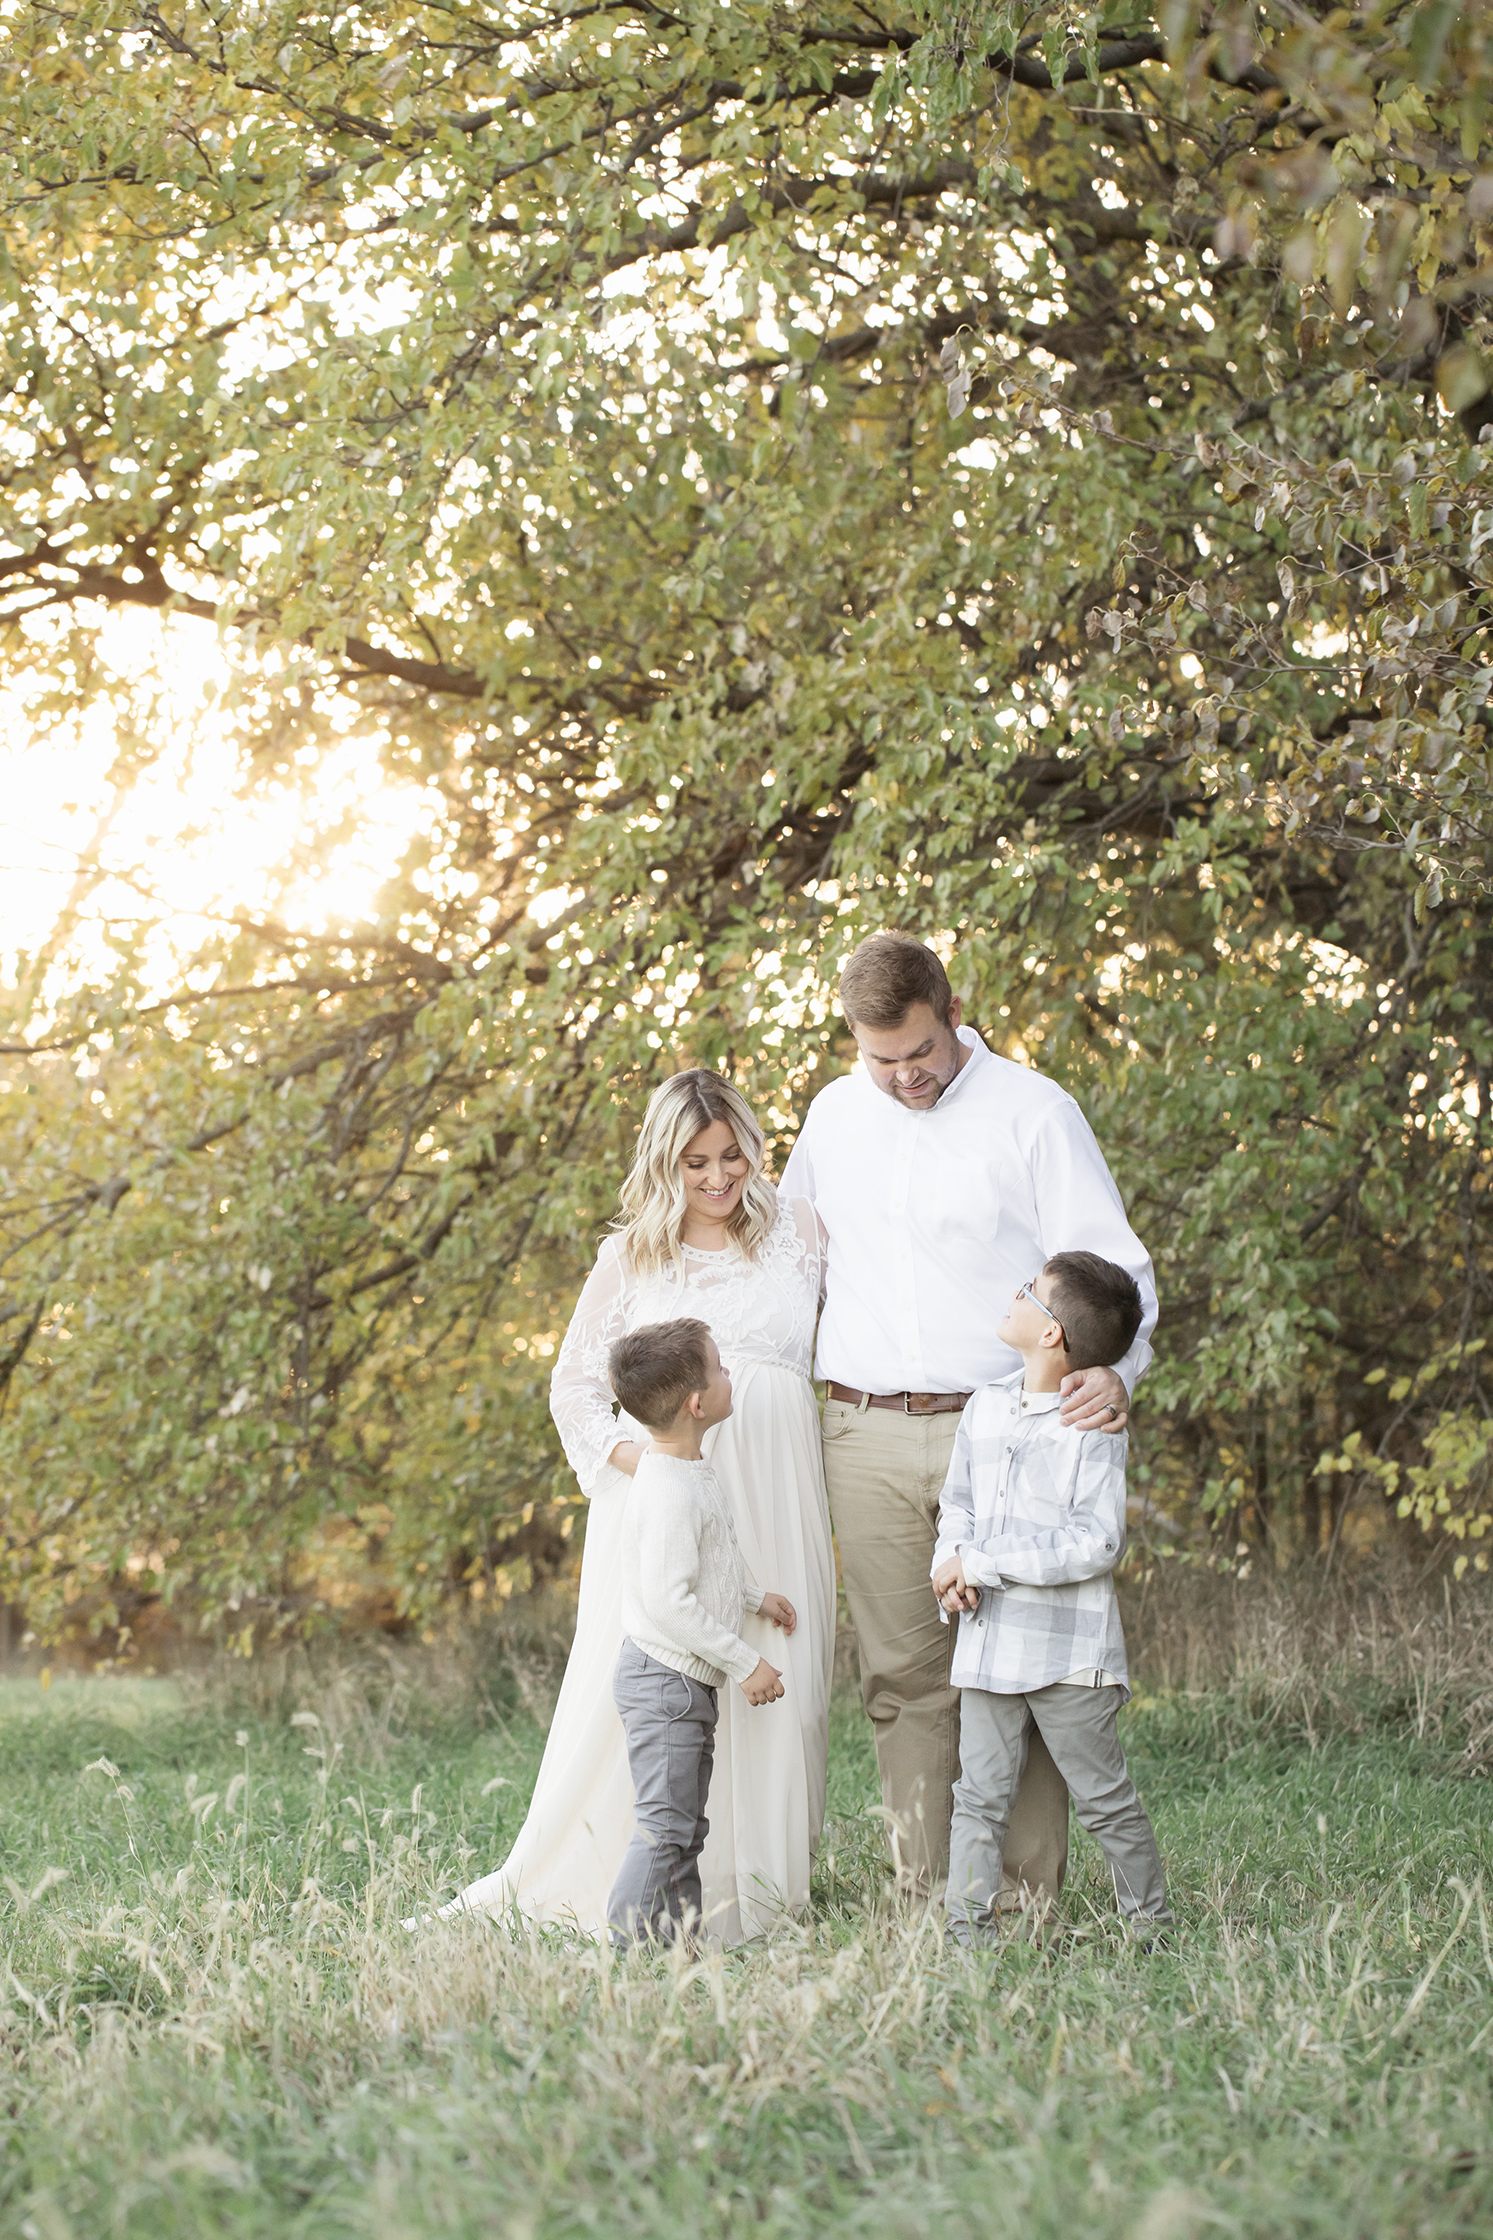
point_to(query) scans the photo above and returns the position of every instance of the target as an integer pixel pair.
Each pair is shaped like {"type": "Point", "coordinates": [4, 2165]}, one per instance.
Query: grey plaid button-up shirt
{"type": "Point", "coordinates": [1037, 1512]}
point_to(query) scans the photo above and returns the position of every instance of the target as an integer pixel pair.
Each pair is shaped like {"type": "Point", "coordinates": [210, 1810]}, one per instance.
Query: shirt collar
{"type": "Point", "coordinates": [978, 1054]}
{"type": "Point", "coordinates": [1038, 1403]}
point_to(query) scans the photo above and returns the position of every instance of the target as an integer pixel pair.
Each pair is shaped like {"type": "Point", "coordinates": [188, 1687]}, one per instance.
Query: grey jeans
{"type": "Point", "coordinates": [1078, 1726]}
{"type": "Point", "coordinates": [669, 1721]}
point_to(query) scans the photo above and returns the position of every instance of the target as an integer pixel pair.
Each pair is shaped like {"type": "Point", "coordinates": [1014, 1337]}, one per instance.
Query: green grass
{"type": "Point", "coordinates": [212, 2022]}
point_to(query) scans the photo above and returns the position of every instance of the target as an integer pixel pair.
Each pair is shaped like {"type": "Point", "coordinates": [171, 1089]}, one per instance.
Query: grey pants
{"type": "Point", "coordinates": [669, 1721]}
{"type": "Point", "coordinates": [1078, 1726]}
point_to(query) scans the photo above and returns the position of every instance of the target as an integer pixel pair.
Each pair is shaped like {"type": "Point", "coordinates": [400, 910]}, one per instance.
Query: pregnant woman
{"type": "Point", "coordinates": [703, 1233]}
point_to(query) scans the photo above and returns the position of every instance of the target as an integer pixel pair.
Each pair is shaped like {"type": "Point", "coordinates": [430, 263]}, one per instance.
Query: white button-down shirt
{"type": "Point", "coordinates": [935, 1217]}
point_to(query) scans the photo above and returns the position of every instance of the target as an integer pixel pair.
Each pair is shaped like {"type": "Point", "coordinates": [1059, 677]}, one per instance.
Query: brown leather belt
{"type": "Point", "coordinates": [908, 1403]}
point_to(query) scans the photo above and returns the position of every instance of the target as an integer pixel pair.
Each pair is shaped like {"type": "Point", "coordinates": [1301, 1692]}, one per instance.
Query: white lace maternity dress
{"type": "Point", "coordinates": [767, 1793]}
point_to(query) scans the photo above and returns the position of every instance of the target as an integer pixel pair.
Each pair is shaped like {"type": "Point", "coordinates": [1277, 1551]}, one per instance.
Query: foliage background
{"type": "Point", "coordinates": [751, 474]}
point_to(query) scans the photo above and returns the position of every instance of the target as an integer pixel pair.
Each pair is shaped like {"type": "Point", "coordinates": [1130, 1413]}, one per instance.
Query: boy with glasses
{"type": "Point", "coordinates": [1031, 1526]}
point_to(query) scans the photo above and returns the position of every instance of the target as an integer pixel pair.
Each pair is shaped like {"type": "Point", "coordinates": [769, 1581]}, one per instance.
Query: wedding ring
{"type": "Point", "coordinates": [1111, 1410]}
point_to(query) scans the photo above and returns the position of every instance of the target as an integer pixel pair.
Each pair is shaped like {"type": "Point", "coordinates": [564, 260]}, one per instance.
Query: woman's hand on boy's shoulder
{"type": "Point", "coordinates": [1094, 1400]}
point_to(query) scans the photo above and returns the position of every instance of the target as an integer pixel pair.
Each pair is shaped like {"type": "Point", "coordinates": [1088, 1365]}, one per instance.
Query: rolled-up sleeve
{"type": "Point", "coordinates": [956, 1504]}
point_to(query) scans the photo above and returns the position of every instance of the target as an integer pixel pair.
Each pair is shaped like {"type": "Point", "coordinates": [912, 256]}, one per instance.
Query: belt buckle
{"type": "Point", "coordinates": [906, 1398]}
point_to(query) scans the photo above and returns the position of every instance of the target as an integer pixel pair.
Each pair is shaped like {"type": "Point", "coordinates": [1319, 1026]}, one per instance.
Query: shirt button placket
{"type": "Point", "coordinates": [908, 1332]}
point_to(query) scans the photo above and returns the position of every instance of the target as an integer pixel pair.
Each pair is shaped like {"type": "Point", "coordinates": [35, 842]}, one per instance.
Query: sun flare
{"type": "Point", "coordinates": [88, 828]}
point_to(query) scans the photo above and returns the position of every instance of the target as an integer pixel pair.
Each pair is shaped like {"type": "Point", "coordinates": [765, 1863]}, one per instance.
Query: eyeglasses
{"type": "Point", "coordinates": [1025, 1291]}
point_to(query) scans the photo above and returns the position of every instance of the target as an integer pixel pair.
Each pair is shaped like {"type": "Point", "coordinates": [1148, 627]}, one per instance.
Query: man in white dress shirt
{"type": "Point", "coordinates": [945, 1176]}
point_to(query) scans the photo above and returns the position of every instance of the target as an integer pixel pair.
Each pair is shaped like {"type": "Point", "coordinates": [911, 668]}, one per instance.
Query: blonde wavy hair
{"type": "Point", "coordinates": [654, 1201]}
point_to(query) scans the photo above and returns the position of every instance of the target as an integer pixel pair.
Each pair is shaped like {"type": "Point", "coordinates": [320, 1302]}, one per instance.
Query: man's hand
{"type": "Point", "coordinates": [764, 1685]}
{"type": "Point", "coordinates": [780, 1610]}
{"type": "Point", "coordinates": [1094, 1400]}
{"type": "Point", "coordinates": [626, 1456]}
{"type": "Point", "coordinates": [953, 1590]}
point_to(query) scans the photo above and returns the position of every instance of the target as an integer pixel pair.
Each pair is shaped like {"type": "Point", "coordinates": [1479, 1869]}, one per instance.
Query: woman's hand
{"type": "Point", "coordinates": [626, 1456]}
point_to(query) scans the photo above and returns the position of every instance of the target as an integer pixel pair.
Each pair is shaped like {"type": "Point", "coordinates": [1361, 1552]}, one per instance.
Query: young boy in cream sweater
{"type": "Point", "coordinates": [684, 1591]}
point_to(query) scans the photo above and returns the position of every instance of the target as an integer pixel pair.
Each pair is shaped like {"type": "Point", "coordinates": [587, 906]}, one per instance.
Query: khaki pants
{"type": "Point", "coordinates": [885, 1472]}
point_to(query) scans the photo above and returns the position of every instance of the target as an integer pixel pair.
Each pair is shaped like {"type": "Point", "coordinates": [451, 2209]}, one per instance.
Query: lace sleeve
{"type": "Point", "coordinates": [581, 1400]}
{"type": "Point", "coordinates": [813, 1242]}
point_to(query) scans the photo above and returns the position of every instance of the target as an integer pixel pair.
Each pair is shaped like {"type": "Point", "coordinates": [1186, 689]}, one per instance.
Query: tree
{"type": "Point", "coordinates": [765, 471]}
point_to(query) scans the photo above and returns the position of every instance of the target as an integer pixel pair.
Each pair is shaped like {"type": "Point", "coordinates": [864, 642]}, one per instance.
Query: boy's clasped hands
{"type": "Point", "coordinates": [955, 1593]}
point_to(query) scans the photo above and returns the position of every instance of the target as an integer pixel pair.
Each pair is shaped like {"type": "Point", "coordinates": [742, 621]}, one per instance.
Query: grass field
{"type": "Point", "coordinates": [213, 2023]}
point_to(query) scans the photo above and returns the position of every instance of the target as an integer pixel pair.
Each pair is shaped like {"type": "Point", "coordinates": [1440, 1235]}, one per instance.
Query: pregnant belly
{"type": "Point", "coordinates": [767, 1388]}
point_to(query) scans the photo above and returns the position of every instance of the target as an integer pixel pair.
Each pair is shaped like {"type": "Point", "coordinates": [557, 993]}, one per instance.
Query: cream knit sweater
{"type": "Point", "coordinates": [684, 1585]}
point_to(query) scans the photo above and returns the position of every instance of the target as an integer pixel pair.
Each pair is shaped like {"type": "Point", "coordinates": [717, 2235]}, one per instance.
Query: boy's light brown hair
{"type": "Point", "coordinates": [654, 1370]}
{"type": "Point", "coordinates": [1098, 1305]}
{"type": "Point", "coordinates": [886, 976]}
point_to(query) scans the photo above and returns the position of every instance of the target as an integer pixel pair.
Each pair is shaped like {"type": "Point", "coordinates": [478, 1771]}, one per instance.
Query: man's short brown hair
{"type": "Point", "coordinates": [1099, 1306]}
{"type": "Point", "coordinates": [886, 976]}
{"type": "Point", "coordinates": [654, 1370]}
